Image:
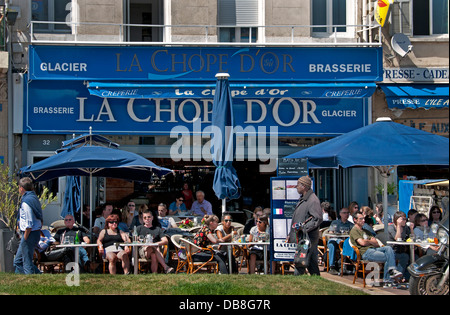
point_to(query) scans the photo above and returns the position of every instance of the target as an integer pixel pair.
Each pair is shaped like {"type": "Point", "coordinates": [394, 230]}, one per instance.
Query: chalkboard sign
{"type": "Point", "coordinates": [292, 167]}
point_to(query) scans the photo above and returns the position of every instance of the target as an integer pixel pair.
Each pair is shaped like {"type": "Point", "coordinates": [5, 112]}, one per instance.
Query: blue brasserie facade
{"type": "Point", "coordinates": [295, 94]}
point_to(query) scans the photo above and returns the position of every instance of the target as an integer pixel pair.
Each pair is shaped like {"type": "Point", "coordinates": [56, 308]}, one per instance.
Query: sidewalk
{"type": "Point", "coordinates": [348, 280]}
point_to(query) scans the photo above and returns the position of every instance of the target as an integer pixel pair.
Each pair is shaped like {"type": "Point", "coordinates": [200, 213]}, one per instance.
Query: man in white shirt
{"type": "Point", "coordinates": [99, 223]}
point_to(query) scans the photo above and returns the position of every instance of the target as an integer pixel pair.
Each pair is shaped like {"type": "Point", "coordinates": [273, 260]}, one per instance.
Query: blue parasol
{"type": "Point", "coordinates": [226, 183]}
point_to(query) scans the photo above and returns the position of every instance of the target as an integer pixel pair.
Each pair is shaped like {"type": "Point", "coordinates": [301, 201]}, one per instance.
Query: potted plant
{"type": "Point", "coordinates": [379, 192]}
{"type": "Point", "coordinates": [392, 193]}
{"type": "Point", "coordinates": [9, 204]}
{"type": "Point", "coordinates": [391, 190]}
{"type": "Point", "coordinates": [9, 200]}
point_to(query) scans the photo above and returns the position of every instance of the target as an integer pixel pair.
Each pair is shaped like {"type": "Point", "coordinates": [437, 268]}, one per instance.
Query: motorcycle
{"type": "Point", "coordinates": [429, 274]}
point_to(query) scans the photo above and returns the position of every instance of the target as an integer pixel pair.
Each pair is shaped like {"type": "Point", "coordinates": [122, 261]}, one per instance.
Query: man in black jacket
{"type": "Point", "coordinates": [308, 207]}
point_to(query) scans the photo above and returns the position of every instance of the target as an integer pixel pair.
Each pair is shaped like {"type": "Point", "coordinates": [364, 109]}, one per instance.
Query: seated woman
{"type": "Point", "coordinates": [261, 230]}
{"type": "Point", "coordinates": [107, 240]}
{"type": "Point", "coordinates": [177, 207]}
{"type": "Point", "coordinates": [399, 231]}
{"type": "Point", "coordinates": [204, 237]}
{"type": "Point", "coordinates": [226, 231]}
{"type": "Point", "coordinates": [152, 227]}
{"type": "Point", "coordinates": [421, 228]}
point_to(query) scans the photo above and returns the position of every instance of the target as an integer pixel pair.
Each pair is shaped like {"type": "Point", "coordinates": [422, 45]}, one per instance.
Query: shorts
{"type": "Point", "coordinates": [113, 249]}
{"type": "Point", "coordinates": [143, 251]}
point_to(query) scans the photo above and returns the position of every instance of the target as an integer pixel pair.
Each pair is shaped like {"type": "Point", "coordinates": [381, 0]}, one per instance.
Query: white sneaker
{"type": "Point", "coordinates": [395, 274]}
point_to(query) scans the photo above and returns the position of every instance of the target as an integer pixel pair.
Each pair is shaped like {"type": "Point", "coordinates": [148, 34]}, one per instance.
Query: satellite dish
{"type": "Point", "coordinates": [401, 44]}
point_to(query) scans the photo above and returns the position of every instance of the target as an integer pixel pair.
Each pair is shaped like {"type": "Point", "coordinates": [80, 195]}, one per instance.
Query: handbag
{"type": "Point", "coordinates": [13, 244]}
{"type": "Point", "coordinates": [302, 254]}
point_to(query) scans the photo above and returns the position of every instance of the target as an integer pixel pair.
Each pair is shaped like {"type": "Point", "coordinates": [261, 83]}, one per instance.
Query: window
{"type": "Point", "coordinates": [142, 13]}
{"type": "Point", "coordinates": [329, 13]}
{"type": "Point", "coordinates": [241, 13]}
{"type": "Point", "coordinates": [420, 17]}
{"type": "Point", "coordinates": [51, 11]}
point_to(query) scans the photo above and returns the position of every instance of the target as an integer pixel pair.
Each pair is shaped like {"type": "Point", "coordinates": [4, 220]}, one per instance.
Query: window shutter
{"type": "Point", "coordinates": [227, 12]}
{"type": "Point", "coordinates": [247, 12]}
{"type": "Point", "coordinates": [401, 17]}
{"type": "Point", "coordinates": [238, 12]}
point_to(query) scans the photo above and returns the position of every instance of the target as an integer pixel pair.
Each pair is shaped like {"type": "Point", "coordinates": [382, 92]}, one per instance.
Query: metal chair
{"type": "Point", "coordinates": [144, 262]}
{"type": "Point", "coordinates": [179, 254]}
{"type": "Point", "coordinates": [359, 263]}
{"type": "Point", "coordinates": [194, 266]}
{"type": "Point", "coordinates": [48, 266]}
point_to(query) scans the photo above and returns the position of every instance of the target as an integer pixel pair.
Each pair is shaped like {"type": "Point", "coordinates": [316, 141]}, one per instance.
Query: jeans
{"type": "Point", "coordinates": [23, 262]}
{"type": "Point", "coordinates": [384, 255]}
{"type": "Point", "coordinates": [332, 246]}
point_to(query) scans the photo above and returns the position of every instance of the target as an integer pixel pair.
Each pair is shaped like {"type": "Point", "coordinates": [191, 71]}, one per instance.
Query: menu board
{"type": "Point", "coordinates": [284, 198]}
{"type": "Point", "coordinates": [292, 167]}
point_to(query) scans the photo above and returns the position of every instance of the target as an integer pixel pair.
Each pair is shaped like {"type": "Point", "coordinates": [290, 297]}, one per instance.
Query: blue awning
{"type": "Point", "coordinates": [416, 95]}
{"type": "Point", "coordinates": [240, 90]}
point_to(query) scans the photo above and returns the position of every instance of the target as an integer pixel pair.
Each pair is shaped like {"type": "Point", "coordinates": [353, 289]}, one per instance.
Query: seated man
{"type": "Point", "coordinates": [337, 226]}
{"type": "Point", "coordinates": [71, 231]}
{"type": "Point", "coordinates": [151, 226]}
{"type": "Point", "coordinates": [370, 250]}
{"type": "Point", "coordinates": [201, 206]}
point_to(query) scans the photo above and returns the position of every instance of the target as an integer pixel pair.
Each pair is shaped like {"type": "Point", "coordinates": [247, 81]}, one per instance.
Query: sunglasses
{"type": "Point", "coordinates": [131, 205]}
{"type": "Point", "coordinates": [260, 221]}
{"type": "Point", "coordinates": [228, 220]}
{"type": "Point", "coordinates": [113, 222]}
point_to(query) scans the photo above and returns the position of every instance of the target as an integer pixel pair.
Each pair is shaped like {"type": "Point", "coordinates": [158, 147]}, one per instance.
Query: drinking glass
{"type": "Point", "coordinates": [66, 240]}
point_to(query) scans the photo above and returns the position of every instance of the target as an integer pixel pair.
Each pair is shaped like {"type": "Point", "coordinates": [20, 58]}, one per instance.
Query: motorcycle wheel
{"type": "Point", "coordinates": [427, 285]}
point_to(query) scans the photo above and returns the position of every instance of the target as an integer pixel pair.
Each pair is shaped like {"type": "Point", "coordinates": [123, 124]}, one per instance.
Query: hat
{"type": "Point", "coordinates": [305, 181]}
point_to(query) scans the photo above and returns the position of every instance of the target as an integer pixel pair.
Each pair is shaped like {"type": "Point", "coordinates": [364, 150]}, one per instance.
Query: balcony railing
{"type": "Point", "coordinates": [87, 33]}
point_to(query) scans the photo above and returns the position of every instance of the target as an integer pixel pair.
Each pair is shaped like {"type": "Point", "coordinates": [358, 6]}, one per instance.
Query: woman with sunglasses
{"type": "Point", "coordinates": [261, 230]}
{"type": "Point", "coordinates": [107, 240]}
{"type": "Point", "coordinates": [421, 228]}
{"type": "Point", "coordinates": [177, 207]}
{"type": "Point", "coordinates": [226, 230]}
{"type": "Point", "coordinates": [435, 215]}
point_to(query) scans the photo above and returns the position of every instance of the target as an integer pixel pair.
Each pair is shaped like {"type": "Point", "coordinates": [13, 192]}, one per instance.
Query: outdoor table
{"type": "Point", "coordinates": [230, 252]}
{"type": "Point", "coordinates": [411, 246]}
{"type": "Point", "coordinates": [77, 249]}
{"type": "Point", "coordinates": [336, 235]}
{"type": "Point", "coordinates": [136, 246]}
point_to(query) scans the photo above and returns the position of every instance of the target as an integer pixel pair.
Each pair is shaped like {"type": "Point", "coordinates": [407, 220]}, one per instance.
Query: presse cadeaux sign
{"type": "Point", "coordinates": [148, 90]}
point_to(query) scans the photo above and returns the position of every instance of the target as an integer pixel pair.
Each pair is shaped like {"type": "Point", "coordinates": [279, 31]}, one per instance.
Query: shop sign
{"type": "Point", "coordinates": [307, 64]}
{"type": "Point", "coordinates": [422, 75]}
{"type": "Point", "coordinates": [67, 107]}
{"type": "Point", "coordinates": [438, 126]}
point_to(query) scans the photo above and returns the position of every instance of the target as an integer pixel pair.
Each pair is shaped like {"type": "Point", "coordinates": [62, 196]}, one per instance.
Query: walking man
{"type": "Point", "coordinates": [30, 224]}
{"type": "Point", "coordinates": [308, 207]}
